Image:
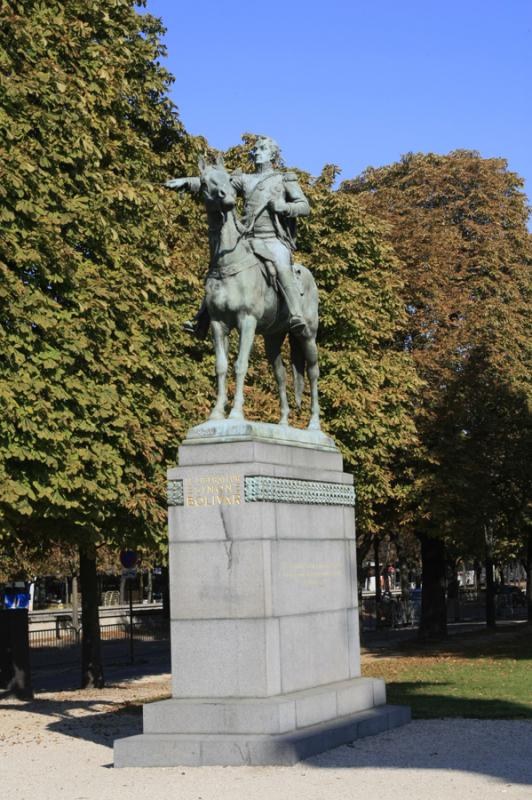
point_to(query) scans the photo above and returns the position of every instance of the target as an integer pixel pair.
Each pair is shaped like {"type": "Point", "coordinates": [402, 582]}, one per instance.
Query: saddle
{"type": "Point", "coordinates": [267, 266]}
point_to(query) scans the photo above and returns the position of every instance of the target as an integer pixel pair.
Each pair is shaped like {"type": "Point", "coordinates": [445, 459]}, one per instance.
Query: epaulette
{"type": "Point", "coordinates": [289, 176]}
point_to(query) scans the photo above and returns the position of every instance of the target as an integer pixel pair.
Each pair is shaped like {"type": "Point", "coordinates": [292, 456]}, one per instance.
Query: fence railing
{"type": "Point", "coordinates": [394, 611]}
{"type": "Point", "coordinates": [148, 629]}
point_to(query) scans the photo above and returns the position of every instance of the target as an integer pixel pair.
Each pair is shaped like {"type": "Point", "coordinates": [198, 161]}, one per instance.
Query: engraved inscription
{"type": "Point", "coordinates": [311, 574]}
{"type": "Point", "coordinates": [213, 490]}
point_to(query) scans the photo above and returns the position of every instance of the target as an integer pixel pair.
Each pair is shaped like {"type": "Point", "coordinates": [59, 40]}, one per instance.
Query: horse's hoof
{"type": "Point", "coordinates": [236, 415]}
{"type": "Point", "coordinates": [314, 425]}
{"type": "Point", "coordinates": [216, 415]}
{"type": "Point", "coordinates": [283, 421]}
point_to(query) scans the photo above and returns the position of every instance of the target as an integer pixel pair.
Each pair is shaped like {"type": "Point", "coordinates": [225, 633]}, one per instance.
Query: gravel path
{"type": "Point", "coordinates": [60, 746]}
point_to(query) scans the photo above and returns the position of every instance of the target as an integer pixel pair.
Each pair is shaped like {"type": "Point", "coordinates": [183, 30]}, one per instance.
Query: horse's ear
{"type": "Point", "coordinates": [202, 163]}
{"type": "Point", "coordinates": [220, 161]}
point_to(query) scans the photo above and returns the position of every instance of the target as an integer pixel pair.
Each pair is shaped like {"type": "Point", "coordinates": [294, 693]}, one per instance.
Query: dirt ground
{"type": "Point", "coordinates": [60, 746]}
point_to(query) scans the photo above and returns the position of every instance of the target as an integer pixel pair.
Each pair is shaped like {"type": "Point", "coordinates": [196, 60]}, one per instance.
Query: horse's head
{"type": "Point", "coordinates": [216, 187]}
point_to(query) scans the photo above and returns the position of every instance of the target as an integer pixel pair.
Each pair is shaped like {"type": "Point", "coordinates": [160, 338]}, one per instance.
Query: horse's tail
{"type": "Point", "coordinates": [297, 357]}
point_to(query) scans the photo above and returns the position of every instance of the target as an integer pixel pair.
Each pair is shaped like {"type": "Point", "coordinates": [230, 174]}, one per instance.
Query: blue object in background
{"type": "Point", "coordinates": [14, 598]}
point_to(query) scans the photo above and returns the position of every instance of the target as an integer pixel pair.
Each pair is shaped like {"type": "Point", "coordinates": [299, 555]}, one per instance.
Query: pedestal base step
{"type": "Point", "coordinates": [196, 750]}
{"type": "Point", "coordinates": [264, 715]}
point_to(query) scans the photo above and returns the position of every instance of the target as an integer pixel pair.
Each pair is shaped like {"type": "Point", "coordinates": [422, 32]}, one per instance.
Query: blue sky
{"type": "Point", "coordinates": [356, 83]}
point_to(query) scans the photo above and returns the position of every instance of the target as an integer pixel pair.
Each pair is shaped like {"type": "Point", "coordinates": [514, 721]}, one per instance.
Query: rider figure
{"type": "Point", "coordinates": [272, 201]}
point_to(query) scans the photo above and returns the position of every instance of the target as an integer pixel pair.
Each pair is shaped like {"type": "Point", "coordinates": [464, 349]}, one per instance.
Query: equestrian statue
{"type": "Point", "coordinates": [252, 283]}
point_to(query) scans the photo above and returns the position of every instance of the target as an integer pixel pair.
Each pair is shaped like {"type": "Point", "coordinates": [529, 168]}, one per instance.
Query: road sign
{"type": "Point", "coordinates": [128, 558]}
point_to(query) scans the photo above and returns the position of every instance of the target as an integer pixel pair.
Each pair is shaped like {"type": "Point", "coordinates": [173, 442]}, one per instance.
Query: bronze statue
{"type": "Point", "coordinates": [252, 283]}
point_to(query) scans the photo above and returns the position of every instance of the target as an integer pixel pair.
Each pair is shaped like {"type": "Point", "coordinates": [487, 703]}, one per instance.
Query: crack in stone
{"type": "Point", "coordinates": [228, 544]}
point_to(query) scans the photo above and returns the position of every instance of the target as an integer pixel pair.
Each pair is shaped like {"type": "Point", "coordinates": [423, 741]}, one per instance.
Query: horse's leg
{"type": "Point", "coordinates": [273, 346]}
{"type": "Point", "coordinates": [313, 371]}
{"type": "Point", "coordinates": [246, 326]}
{"type": "Point", "coordinates": [221, 339]}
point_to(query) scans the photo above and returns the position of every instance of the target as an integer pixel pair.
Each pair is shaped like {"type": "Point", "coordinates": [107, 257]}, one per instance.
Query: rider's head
{"type": "Point", "coordinates": [265, 150]}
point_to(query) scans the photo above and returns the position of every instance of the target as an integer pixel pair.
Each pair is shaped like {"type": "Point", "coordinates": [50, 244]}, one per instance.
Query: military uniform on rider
{"type": "Point", "coordinates": [272, 201]}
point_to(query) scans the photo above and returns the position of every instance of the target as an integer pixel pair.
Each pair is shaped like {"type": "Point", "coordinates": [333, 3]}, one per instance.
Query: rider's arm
{"type": "Point", "coordinates": [237, 181]}
{"type": "Point", "coordinates": [192, 184]}
{"type": "Point", "coordinates": [296, 204]}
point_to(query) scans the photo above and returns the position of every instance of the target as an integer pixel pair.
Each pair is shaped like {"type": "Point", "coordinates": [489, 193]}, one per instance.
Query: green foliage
{"type": "Point", "coordinates": [367, 378]}
{"type": "Point", "coordinates": [458, 225]}
{"type": "Point", "coordinates": [484, 461]}
{"type": "Point", "coordinates": [94, 375]}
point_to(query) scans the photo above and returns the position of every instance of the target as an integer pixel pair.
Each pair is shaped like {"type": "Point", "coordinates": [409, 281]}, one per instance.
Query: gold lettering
{"type": "Point", "coordinates": [213, 490]}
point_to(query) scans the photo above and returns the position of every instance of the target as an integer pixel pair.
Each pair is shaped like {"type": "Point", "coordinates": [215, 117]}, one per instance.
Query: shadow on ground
{"type": "Point", "coordinates": [498, 749]}
{"type": "Point", "coordinates": [109, 720]}
{"type": "Point", "coordinates": [98, 719]}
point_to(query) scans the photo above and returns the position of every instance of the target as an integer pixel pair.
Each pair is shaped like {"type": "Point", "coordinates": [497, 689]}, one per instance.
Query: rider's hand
{"type": "Point", "coordinates": [279, 206]}
{"type": "Point", "coordinates": [176, 183]}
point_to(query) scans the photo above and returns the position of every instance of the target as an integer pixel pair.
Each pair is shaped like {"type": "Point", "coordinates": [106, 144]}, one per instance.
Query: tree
{"type": "Point", "coordinates": [458, 225]}
{"type": "Point", "coordinates": [95, 375]}
{"type": "Point", "coordinates": [483, 456]}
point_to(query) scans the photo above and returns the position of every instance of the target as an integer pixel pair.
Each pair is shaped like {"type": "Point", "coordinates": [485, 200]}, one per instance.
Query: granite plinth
{"type": "Point", "coordinates": [264, 607]}
{"type": "Point", "coordinates": [171, 749]}
{"type": "Point", "coordinates": [279, 714]}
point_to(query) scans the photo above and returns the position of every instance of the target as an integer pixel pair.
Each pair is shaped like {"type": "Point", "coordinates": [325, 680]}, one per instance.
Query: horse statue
{"type": "Point", "coordinates": [239, 293]}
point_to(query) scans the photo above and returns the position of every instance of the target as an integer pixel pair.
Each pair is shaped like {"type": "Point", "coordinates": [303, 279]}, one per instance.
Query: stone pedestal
{"type": "Point", "coordinates": [264, 617]}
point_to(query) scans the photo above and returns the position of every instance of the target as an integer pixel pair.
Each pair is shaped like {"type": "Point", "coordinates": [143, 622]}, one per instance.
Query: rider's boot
{"type": "Point", "coordinates": [293, 301]}
{"type": "Point", "coordinates": [199, 326]}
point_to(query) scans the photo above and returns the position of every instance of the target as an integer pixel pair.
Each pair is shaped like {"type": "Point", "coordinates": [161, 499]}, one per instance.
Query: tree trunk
{"type": "Point", "coordinates": [403, 568]}
{"type": "Point", "coordinates": [529, 574]}
{"type": "Point", "coordinates": [490, 593]}
{"type": "Point", "coordinates": [433, 622]}
{"type": "Point", "coordinates": [91, 661]}
{"type": "Point", "coordinates": [453, 594]}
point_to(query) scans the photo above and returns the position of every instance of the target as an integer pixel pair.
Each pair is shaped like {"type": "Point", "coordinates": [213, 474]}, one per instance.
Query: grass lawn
{"type": "Point", "coordinates": [476, 675]}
